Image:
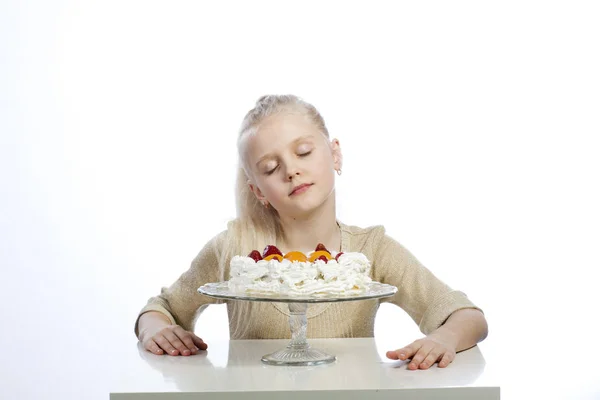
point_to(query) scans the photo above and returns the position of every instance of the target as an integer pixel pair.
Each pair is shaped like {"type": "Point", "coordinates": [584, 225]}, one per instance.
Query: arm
{"type": "Point", "coordinates": [450, 321]}
{"type": "Point", "coordinates": [464, 329]}
{"type": "Point", "coordinates": [158, 336]}
{"type": "Point", "coordinates": [167, 321]}
{"type": "Point", "coordinates": [152, 320]}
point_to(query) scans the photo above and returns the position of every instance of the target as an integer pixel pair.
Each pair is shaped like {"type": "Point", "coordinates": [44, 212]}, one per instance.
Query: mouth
{"type": "Point", "coordinates": [300, 188]}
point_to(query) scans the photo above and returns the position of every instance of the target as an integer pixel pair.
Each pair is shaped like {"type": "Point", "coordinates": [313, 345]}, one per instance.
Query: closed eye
{"type": "Point", "coordinates": [271, 171]}
{"type": "Point", "coordinates": [299, 155]}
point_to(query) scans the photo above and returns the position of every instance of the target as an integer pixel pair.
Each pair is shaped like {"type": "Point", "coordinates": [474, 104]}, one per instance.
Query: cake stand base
{"type": "Point", "coordinates": [298, 357]}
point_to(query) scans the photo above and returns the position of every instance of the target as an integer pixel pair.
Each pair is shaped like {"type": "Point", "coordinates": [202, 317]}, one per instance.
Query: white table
{"type": "Point", "coordinates": [233, 370]}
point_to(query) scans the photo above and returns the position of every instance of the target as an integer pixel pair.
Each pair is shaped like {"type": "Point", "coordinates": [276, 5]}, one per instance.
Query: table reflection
{"type": "Point", "coordinates": [359, 364]}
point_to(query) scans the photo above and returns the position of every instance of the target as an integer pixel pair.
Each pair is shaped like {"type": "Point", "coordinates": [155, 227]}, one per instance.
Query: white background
{"type": "Point", "coordinates": [469, 130]}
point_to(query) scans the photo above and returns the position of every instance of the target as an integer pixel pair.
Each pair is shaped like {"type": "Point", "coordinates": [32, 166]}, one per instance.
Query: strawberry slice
{"type": "Point", "coordinates": [270, 249]}
{"type": "Point", "coordinates": [322, 258]}
{"type": "Point", "coordinates": [255, 255]}
{"type": "Point", "coordinates": [338, 255]}
{"type": "Point", "coordinates": [321, 247]}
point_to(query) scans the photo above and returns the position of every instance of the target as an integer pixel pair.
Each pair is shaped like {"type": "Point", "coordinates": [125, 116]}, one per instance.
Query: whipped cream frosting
{"type": "Point", "coordinates": [348, 275]}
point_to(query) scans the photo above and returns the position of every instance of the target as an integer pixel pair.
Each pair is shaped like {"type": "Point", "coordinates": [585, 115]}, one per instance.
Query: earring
{"type": "Point", "coordinates": [339, 171]}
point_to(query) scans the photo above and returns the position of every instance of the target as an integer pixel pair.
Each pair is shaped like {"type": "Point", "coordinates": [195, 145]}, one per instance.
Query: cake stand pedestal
{"type": "Point", "coordinates": [298, 352]}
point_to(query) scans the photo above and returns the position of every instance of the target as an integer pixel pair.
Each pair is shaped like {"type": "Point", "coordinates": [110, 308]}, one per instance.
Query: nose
{"type": "Point", "coordinates": [292, 174]}
{"type": "Point", "coordinates": [292, 168]}
{"type": "Point", "coordinates": [292, 171]}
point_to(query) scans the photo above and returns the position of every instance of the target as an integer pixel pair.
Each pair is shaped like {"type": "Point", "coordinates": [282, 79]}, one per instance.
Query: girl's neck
{"type": "Point", "coordinates": [303, 234]}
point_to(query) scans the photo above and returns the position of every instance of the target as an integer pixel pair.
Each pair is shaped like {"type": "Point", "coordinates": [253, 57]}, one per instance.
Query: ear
{"type": "Point", "coordinates": [336, 152]}
{"type": "Point", "coordinates": [259, 195]}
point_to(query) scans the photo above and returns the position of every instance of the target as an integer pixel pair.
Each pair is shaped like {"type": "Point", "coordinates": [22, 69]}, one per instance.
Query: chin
{"type": "Point", "coordinates": [306, 209]}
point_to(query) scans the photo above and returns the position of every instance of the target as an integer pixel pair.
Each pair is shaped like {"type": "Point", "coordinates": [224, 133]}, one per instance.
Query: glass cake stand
{"type": "Point", "coordinates": [298, 351]}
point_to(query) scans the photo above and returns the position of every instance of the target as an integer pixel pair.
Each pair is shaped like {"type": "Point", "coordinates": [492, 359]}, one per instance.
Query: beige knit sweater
{"type": "Point", "coordinates": [427, 300]}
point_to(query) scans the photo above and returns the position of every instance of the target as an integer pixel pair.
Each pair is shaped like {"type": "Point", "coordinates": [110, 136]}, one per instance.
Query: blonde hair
{"type": "Point", "coordinates": [247, 204]}
{"type": "Point", "coordinates": [256, 225]}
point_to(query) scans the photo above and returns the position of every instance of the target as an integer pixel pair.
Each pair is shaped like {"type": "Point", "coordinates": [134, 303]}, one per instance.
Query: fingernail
{"type": "Point", "coordinates": [402, 355]}
{"type": "Point", "coordinates": [173, 351]}
{"type": "Point", "coordinates": [196, 349]}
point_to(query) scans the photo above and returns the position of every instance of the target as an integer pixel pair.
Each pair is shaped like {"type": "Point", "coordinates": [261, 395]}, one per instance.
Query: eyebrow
{"type": "Point", "coordinates": [263, 158]}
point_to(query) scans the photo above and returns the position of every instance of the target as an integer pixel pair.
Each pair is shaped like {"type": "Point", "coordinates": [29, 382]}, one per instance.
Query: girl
{"type": "Point", "coordinates": [285, 196]}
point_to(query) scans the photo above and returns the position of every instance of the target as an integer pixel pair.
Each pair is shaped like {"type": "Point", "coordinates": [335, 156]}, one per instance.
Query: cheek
{"type": "Point", "coordinates": [323, 164]}
{"type": "Point", "coordinates": [322, 170]}
{"type": "Point", "coordinates": [269, 188]}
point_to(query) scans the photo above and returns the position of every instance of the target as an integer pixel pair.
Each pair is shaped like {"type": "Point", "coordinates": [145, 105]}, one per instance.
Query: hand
{"type": "Point", "coordinates": [425, 352]}
{"type": "Point", "coordinates": [173, 340]}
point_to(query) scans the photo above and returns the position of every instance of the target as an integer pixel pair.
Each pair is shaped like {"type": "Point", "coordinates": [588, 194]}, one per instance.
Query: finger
{"type": "Point", "coordinates": [446, 360]}
{"type": "Point", "coordinates": [164, 344]}
{"type": "Point", "coordinates": [152, 347]}
{"type": "Point", "coordinates": [404, 353]}
{"type": "Point", "coordinates": [420, 356]}
{"type": "Point", "coordinates": [434, 355]}
{"type": "Point", "coordinates": [199, 342]}
{"type": "Point", "coordinates": [186, 338]}
{"type": "Point", "coordinates": [177, 343]}
{"type": "Point", "coordinates": [400, 354]}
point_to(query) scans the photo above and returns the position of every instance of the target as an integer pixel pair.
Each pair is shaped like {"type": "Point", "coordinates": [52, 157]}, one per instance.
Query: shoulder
{"type": "Point", "coordinates": [354, 230]}
{"type": "Point", "coordinates": [373, 241]}
{"type": "Point", "coordinates": [365, 240]}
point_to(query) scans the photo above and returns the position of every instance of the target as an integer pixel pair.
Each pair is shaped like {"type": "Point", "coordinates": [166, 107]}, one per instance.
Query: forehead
{"type": "Point", "coordinates": [279, 131]}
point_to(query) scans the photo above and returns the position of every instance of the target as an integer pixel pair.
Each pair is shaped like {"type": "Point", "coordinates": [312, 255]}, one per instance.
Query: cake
{"type": "Point", "coordinates": [295, 273]}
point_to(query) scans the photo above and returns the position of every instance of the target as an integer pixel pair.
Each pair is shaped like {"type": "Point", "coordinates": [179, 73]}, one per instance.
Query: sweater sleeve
{"type": "Point", "coordinates": [181, 302]}
{"type": "Point", "coordinates": [427, 300]}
